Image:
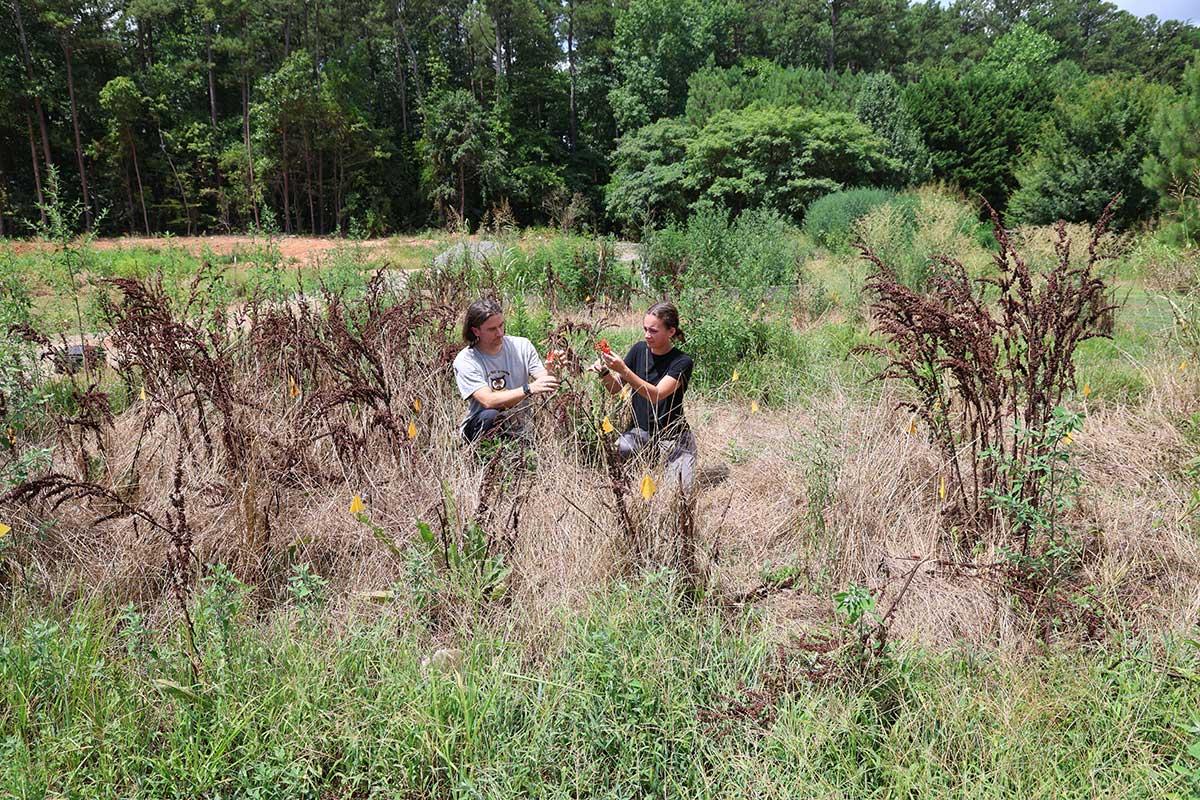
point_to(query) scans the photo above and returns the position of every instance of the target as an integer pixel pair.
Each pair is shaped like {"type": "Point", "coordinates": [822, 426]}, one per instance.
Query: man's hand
{"type": "Point", "coordinates": [544, 385]}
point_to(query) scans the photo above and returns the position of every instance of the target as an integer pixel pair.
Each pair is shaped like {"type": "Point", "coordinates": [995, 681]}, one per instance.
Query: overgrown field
{"type": "Point", "coordinates": [945, 541]}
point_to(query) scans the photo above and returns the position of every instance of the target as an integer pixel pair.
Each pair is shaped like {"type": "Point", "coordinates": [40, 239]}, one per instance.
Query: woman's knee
{"type": "Point", "coordinates": [629, 444]}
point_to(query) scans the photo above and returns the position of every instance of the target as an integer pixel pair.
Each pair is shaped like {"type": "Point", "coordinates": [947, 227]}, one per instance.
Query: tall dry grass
{"type": "Point", "coordinates": [837, 492]}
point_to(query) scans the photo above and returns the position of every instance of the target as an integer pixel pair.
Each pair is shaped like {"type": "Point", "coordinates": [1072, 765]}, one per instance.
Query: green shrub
{"type": "Point", "coordinates": [784, 157]}
{"type": "Point", "coordinates": [727, 335]}
{"type": "Point", "coordinates": [520, 320]}
{"type": "Point", "coordinates": [918, 225]}
{"type": "Point", "coordinates": [1173, 171]}
{"type": "Point", "coordinates": [572, 269]}
{"type": "Point", "coordinates": [829, 220]}
{"type": "Point", "coordinates": [756, 250]}
{"type": "Point", "coordinates": [1090, 150]}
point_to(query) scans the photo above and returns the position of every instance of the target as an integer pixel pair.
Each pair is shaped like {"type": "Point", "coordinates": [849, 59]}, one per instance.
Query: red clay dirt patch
{"type": "Point", "coordinates": [302, 249]}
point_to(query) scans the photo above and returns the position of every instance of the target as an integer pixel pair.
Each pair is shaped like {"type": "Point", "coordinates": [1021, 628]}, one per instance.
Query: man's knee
{"type": "Point", "coordinates": [481, 424]}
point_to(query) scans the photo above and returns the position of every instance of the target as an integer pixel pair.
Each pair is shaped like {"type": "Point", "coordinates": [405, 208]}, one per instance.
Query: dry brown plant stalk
{"type": "Point", "coordinates": [990, 357]}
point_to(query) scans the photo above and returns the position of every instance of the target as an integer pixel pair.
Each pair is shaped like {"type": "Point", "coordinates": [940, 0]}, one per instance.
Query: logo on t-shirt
{"type": "Point", "coordinates": [498, 379]}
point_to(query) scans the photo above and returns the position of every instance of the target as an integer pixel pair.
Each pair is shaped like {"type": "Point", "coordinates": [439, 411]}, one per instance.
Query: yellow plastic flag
{"type": "Point", "coordinates": [606, 425]}
{"type": "Point", "coordinates": [942, 489]}
{"type": "Point", "coordinates": [912, 425]}
{"type": "Point", "coordinates": [1183, 365]}
{"type": "Point", "coordinates": [416, 405]}
{"type": "Point", "coordinates": [735, 376]}
{"type": "Point", "coordinates": [648, 488]}
{"type": "Point", "coordinates": [1087, 390]}
{"type": "Point", "coordinates": [357, 506]}
{"type": "Point", "coordinates": [1066, 440]}
{"type": "Point", "coordinates": [412, 429]}
{"type": "Point", "coordinates": [142, 394]}
{"type": "Point", "coordinates": [4, 530]}
{"type": "Point", "coordinates": [753, 406]}
{"type": "Point", "coordinates": [293, 387]}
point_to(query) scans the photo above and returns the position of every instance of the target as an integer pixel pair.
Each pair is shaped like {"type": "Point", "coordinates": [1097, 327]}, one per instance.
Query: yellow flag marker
{"type": "Point", "coordinates": [357, 506]}
{"type": "Point", "coordinates": [412, 429]}
{"type": "Point", "coordinates": [142, 394]}
{"type": "Point", "coordinates": [1087, 389]}
{"type": "Point", "coordinates": [753, 406]}
{"type": "Point", "coordinates": [1183, 365]}
{"type": "Point", "coordinates": [1066, 440]}
{"type": "Point", "coordinates": [912, 425]}
{"type": "Point", "coordinates": [735, 376]}
{"type": "Point", "coordinates": [293, 387]}
{"type": "Point", "coordinates": [4, 530]}
{"type": "Point", "coordinates": [942, 489]}
{"type": "Point", "coordinates": [606, 425]}
{"type": "Point", "coordinates": [587, 299]}
{"type": "Point", "coordinates": [416, 404]}
{"type": "Point", "coordinates": [648, 488]}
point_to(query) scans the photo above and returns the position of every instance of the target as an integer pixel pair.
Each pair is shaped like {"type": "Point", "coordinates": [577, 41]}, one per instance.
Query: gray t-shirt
{"type": "Point", "coordinates": [511, 368]}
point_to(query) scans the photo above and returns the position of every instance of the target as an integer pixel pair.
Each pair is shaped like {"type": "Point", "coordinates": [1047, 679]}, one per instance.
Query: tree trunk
{"type": "Point", "coordinates": [287, 201]}
{"type": "Point", "coordinates": [212, 81]}
{"type": "Point", "coordinates": [412, 55]}
{"type": "Point", "coordinates": [308, 184]}
{"type": "Point", "coordinates": [137, 172]}
{"type": "Point", "coordinates": [321, 192]}
{"type": "Point", "coordinates": [339, 171]}
{"type": "Point", "coordinates": [831, 47]}
{"type": "Point", "coordinates": [249, 151]}
{"type": "Point", "coordinates": [126, 183]}
{"type": "Point", "coordinates": [83, 185]}
{"type": "Point", "coordinates": [187, 209]}
{"type": "Point", "coordinates": [37, 101]}
{"type": "Point", "coordinates": [462, 194]}
{"type": "Point", "coordinates": [572, 119]}
{"type": "Point", "coordinates": [37, 173]}
{"type": "Point", "coordinates": [400, 81]}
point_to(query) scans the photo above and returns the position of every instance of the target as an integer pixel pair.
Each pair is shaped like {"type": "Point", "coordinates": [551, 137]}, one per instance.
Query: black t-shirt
{"type": "Point", "coordinates": [667, 415]}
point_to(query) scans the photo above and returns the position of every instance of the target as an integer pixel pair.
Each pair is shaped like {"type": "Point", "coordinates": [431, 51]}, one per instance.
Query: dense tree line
{"type": "Point", "coordinates": [191, 116]}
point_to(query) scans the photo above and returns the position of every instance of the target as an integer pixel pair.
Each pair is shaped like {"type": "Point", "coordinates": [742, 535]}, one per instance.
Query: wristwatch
{"type": "Point", "coordinates": [525, 388]}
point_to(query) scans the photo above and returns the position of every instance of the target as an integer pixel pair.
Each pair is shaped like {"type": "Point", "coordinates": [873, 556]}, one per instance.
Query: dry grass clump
{"type": "Point", "coordinates": [930, 221]}
{"type": "Point", "coordinates": [882, 519]}
{"type": "Point", "coordinates": [1038, 243]}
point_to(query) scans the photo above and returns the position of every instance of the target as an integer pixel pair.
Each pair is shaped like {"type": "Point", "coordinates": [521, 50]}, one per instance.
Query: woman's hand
{"type": "Point", "coordinates": [615, 363]}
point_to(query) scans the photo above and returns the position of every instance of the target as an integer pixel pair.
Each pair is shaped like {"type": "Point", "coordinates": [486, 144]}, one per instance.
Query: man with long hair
{"type": "Point", "coordinates": [497, 374]}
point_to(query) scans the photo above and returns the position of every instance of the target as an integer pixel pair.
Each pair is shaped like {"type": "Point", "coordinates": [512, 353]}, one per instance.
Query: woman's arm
{"type": "Point", "coordinates": [611, 382]}
{"type": "Point", "coordinates": [655, 393]}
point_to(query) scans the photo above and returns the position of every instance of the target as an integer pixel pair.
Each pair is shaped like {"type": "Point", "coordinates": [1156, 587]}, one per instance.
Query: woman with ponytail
{"type": "Point", "coordinates": [657, 374]}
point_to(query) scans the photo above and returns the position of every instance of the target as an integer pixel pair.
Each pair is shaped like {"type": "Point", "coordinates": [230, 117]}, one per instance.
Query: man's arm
{"type": "Point", "coordinates": [544, 383]}
{"type": "Point", "coordinates": [499, 399]}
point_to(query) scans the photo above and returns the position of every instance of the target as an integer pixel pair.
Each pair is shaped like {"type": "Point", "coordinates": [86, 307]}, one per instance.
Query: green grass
{"type": "Point", "coordinates": [634, 697]}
